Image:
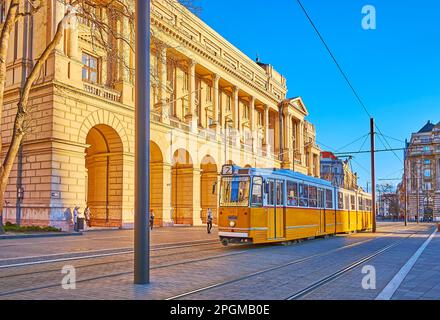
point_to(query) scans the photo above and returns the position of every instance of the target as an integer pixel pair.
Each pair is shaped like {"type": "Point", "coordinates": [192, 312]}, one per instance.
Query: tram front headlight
{"type": "Point", "coordinates": [232, 223]}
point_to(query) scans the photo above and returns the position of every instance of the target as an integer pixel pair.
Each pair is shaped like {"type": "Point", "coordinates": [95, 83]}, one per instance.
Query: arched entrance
{"type": "Point", "coordinates": [182, 188]}
{"type": "Point", "coordinates": [208, 180]}
{"type": "Point", "coordinates": [156, 183]}
{"type": "Point", "coordinates": [104, 172]}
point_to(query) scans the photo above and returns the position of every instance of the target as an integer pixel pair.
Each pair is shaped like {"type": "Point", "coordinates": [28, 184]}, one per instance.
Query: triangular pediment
{"type": "Point", "coordinates": [298, 104]}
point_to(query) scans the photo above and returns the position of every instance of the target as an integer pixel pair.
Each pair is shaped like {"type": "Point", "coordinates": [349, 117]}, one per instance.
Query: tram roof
{"type": "Point", "coordinates": [290, 174]}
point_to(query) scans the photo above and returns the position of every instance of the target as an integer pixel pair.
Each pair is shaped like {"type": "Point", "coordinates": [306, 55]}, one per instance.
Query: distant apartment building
{"type": "Point", "coordinates": [338, 171]}
{"type": "Point", "coordinates": [388, 205]}
{"type": "Point", "coordinates": [422, 163]}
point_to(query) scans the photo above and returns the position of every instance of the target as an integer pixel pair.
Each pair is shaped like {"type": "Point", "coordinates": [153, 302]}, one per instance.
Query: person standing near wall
{"type": "Point", "coordinates": [209, 220]}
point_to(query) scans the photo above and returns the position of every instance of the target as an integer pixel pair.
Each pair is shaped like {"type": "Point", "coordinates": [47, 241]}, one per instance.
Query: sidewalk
{"type": "Point", "coordinates": [20, 235]}
{"type": "Point", "coordinates": [423, 281]}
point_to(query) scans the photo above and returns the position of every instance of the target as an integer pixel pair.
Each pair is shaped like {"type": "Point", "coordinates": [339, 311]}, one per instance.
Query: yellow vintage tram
{"type": "Point", "coordinates": [277, 205]}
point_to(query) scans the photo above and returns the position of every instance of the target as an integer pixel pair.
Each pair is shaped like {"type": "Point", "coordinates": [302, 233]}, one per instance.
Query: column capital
{"type": "Point", "coordinates": [216, 78]}
{"type": "Point", "coordinates": [235, 90]}
{"type": "Point", "coordinates": [192, 63]}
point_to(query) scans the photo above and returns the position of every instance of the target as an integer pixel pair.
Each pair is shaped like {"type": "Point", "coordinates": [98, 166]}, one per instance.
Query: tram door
{"type": "Point", "coordinates": [321, 206]}
{"type": "Point", "coordinates": [275, 212]}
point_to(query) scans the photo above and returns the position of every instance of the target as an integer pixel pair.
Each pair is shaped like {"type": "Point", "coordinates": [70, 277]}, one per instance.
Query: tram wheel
{"type": "Point", "coordinates": [225, 242]}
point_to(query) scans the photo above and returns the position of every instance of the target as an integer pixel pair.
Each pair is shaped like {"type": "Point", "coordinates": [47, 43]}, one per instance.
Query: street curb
{"type": "Point", "coordinates": [50, 235]}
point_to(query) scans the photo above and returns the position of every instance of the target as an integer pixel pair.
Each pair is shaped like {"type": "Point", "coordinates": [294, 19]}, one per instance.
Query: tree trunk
{"type": "Point", "coordinates": [19, 129]}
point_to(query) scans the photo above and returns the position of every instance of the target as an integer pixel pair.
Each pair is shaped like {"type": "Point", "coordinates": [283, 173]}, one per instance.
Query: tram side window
{"type": "Point", "coordinates": [321, 198]}
{"type": "Point", "coordinates": [257, 191]}
{"type": "Point", "coordinates": [347, 202]}
{"type": "Point", "coordinates": [353, 203]}
{"type": "Point", "coordinates": [280, 193]}
{"type": "Point", "coordinates": [340, 200]}
{"type": "Point", "coordinates": [292, 193]}
{"type": "Point", "coordinates": [271, 192]}
{"type": "Point", "coordinates": [367, 205]}
{"type": "Point", "coordinates": [303, 195]}
{"type": "Point", "coordinates": [313, 197]}
{"type": "Point", "coordinates": [361, 204]}
{"type": "Point", "coordinates": [328, 199]}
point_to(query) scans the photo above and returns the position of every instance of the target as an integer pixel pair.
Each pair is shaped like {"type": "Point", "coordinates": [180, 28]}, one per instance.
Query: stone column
{"type": "Point", "coordinates": [301, 143]}
{"type": "Point", "coordinates": [266, 130]}
{"type": "Point", "coordinates": [215, 103]}
{"type": "Point", "coordinates": [192, 117]}
{"type": "Point", "coordinates": [253, 125]}
{"type": "Point", "coordinates": [236, 113]}
{"type": "Point", "coordinates": [162, 63]}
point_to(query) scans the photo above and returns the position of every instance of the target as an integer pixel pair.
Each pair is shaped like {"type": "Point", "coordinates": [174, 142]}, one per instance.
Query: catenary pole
{"type": "Point", "coordinates": [373, 174]}
{"type": "Point", "coordinates": [142, 151]}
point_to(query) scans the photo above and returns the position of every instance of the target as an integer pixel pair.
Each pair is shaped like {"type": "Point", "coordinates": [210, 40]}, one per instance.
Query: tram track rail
{"type": "Point", "coordinates": [69, 256]}
{"type": "Point", "coordinates": [342, 271]}
{"type": "Point", "coordinates": [302, 260]}
{"type": "Point", "coordinates": [167, 265]}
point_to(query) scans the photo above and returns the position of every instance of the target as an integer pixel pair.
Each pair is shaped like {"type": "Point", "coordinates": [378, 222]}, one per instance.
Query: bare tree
{"type": "Point", "coordinates": [102, 33]}
{"type": "Point", "coordinates": [104, 36]}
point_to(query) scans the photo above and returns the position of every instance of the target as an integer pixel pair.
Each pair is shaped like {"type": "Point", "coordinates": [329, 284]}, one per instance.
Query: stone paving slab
{"type": "Point", "coordinates": [170, 281]}
{"type": "Point", "coordinates": [423, 281]}
{"type": "Point", "coordinates": [97, 240]}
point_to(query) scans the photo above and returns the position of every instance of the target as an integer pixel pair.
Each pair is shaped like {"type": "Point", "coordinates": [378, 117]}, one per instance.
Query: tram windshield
{"type": "Point", "coordinates": [235, 192]}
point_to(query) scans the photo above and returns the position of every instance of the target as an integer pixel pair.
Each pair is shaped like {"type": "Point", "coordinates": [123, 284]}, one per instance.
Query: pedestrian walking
{"type": "Point", "coordinates": [75, 218]}
{"type": "Point", "coordinates": [209, 220]}
{"type": "Point", "coordinates": [151, 219]}
{"type": "Point", "coordinates": [87, 216]}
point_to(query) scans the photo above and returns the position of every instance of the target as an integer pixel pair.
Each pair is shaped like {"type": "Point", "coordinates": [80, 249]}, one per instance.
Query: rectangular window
{"type": "Point", "coordinates": [208, 93]}
{"type": "Point", "coordinates": [329, 199]}
{"type": "Point", "coordinates": [228, 103]}
{"type": "Point", "coordinates": [234, 192]}
{"type": "Point", "coordinates": [260, 118]}
{"type": "Point", "coordinates": [347, 202]}
{"type": "Point", "coordinates": [313, 197]}
{"type": "Point", "coordinates": [292, 193]}
{"type": "Point", "coordinates": [257, 191]}
{"type": "Point", "coordinates": [303, 195]}
{"type": "Point", "coordinates": [427, 161]}
{"type": "Point", "coordinates": [353, 203]}
{"type": "Point", "coordinates": [270, 192]}
{"type": "Point", "coordinates": [340, 200]}
{"type": "Point", "coordinates": [427, 173]}
{"type": "Point", "coordinates": [90, 68]}
{"type": "Point", "coordinates": [321, 198]}
{"type": "Point", "coordinates": [280, 193]}
{"type": "Point", "coordinates": [361, 204]}
{"type": "Point", "coordinates": [185, 81]}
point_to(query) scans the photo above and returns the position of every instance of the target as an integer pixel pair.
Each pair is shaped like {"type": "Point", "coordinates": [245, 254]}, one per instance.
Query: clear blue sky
{"type": "Point", "coordinates": [394, 68]}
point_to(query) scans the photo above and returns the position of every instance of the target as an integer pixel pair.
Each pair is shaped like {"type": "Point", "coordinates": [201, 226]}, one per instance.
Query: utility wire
{"type": "Point", "coordinates": [334, 60]}
{"type": "Point", "coordinates": [343, 73]}
{"type": "Point", "coordinates": [351, 143]}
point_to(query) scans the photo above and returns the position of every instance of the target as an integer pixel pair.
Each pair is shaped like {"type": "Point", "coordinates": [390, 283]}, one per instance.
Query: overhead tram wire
{"type": "Point", "coordinates": [334, 60]}
{"type": "Point", "coordinates": [343, 73]}
{"type": "Point", "coordinates": [351, 143]}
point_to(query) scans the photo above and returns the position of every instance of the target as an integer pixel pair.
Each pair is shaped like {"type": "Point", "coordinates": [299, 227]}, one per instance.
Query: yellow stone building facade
{"type": "Point", "coordinates": [211, 105]}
